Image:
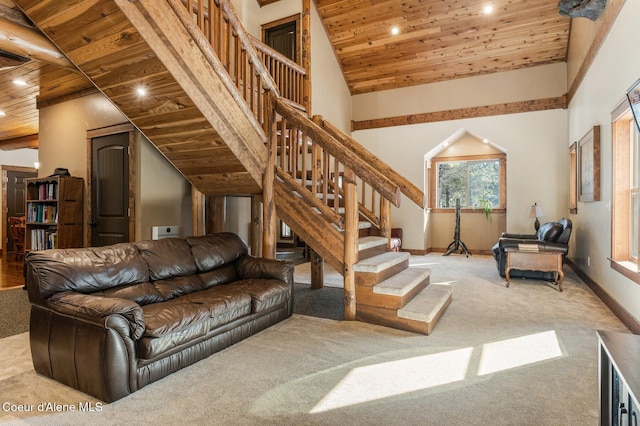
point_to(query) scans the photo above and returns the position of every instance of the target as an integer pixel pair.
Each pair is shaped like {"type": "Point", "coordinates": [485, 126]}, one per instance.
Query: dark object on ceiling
{"type": "Point", "coordinates": [590, 9]}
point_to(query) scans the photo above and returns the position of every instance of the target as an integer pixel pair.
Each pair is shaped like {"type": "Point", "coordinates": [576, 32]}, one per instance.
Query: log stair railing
{"type": "Point", "coordinates": [325, 183]}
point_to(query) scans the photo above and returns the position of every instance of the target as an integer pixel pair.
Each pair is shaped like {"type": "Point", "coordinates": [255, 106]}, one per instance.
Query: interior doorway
{"type": "Point", "coordinates": [111, 183]}
{"type": "Point", "coordinates": [14, 188]}
{"type": "Point", "coordinates": [283, 36]}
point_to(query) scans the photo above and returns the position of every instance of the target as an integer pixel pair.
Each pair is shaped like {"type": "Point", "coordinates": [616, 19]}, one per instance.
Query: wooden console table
{"type": "Point", "coordinates": [535, 261]}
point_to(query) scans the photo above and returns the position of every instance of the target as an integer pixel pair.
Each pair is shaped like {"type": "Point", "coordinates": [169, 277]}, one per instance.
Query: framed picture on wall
{"type": "Point", "coordinates": [589, 166]}
{"type": "Point", "coordinates": [573, 178]}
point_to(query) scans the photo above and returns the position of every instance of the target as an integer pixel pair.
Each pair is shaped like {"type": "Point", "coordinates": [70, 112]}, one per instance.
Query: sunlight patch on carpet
{"type": "Point", "coordinates": [392, 378]}
{"type": "Point", "coordinates": [519, 351]}
{"type": "Point", "coordinates": [387, 379]}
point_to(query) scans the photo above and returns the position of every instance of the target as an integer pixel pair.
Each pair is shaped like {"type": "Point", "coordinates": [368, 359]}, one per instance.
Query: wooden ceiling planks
{"type": "Point", "coordinates": [111, 52]}
{"type": "Point", "coordinates": [440, 40]}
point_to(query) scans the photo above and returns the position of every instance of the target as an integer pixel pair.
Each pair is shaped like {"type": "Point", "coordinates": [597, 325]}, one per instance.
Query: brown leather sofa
{"type": "Point", "coordinates": [551, 236]}
{"type": "Point", "coordinates": [109, 320]}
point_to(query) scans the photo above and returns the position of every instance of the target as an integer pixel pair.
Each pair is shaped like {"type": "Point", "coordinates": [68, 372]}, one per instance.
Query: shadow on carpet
{"type": "Point", "coordinates": [325, 302]}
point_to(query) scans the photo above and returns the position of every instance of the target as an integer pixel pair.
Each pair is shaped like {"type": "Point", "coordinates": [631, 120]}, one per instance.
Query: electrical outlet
{"type": "Point", "coordinates": [588, 260]}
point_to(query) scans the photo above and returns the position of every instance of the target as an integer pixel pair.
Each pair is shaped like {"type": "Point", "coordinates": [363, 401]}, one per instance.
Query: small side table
{"type": "Point", "coordinates": [535, 261]}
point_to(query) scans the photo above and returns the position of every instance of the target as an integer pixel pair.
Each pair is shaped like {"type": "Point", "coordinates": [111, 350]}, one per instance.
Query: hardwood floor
{"type": "Point", "coordinates": [11, 272]}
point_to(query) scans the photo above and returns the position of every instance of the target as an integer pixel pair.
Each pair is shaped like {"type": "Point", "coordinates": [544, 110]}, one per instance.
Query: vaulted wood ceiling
{"type": "Point", "coordinates": [438, 40]}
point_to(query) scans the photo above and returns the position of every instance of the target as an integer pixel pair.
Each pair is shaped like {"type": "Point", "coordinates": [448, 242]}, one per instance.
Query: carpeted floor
{"type": "Point", "coordinates": [524, 355]}
{"type": "Point", "coordinates": [14, 312]}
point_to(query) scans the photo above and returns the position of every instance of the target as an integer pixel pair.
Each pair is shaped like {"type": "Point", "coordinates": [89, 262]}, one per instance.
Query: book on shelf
{"type": "Point", "coordinates": [43, 239]}
{"type": "Point", "coordinates": [42, 213]}
{"type": "Point", "coordinates": [47, 191]}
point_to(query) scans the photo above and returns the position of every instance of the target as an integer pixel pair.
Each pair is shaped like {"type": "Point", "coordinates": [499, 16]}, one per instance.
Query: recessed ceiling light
{"type": "Point", "coordinates": [141, 91]}
{"type": "Point", "coordinates": [395, 30]}
{"type": "Point", "coordinates": [485, 140]}
{"type": "Point", "coordinates": [488, 9]}
{"type": "Point", "coordinates": [19, 82]}
{"type": "Point", "coordinates": [2, 113]}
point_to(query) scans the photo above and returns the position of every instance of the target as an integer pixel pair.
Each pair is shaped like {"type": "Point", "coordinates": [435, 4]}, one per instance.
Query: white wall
{"type": "Point", "coordinates": [541, 82]}
{"type": "Point", "coordinates": [330, 96]}
{"type": "Point", "coordinates": [535, 142]}
{"type": "Point", "coordinates": [615, 68]}
{"type": "Point", "coordinates": [537, 159]}
{"type": "Point", "coordinates": [163, 196]}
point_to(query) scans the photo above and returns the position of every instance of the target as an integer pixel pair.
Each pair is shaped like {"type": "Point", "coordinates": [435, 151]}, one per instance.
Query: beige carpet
{"type": "Point", "coordinates": [524, 355]}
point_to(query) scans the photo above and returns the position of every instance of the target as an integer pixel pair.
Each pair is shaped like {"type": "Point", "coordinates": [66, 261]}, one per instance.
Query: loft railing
{"type": "Point", "coordinates": [315, 154]}
{"type": "Point", "coordinates": [287, 75]}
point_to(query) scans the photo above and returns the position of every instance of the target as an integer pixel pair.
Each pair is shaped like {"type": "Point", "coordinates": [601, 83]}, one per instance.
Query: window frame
{"type": "Point", "coordinates": [622, 170]}
{"type": "Point", "coordinates": [433, 182]}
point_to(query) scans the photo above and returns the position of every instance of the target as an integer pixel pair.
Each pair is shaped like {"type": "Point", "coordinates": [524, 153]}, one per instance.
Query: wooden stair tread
{"type": "Point", "coordinates": [402, 283]}
{"type": "Point", "coordinates": [379, 263]}
{"type": "Point", "coordinates": [428, 304]}
{"type": "Point", "coordinates": [370, 242]}
{"type": "Point", "coordinates": [364, 224]}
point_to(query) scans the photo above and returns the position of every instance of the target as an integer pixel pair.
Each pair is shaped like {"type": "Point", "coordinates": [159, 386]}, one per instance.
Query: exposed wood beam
{"type": "Point", "coordinates": [22, 41]}
{"type": "Point", "coordinates": [457, 114]}
{"type": "Point", "coordinates": [30, 141]}
{"type": "Point", "coordinates": [64, 98]}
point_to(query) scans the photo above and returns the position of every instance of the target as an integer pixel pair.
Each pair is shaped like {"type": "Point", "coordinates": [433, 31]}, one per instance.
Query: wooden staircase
{"type": "Point", "coordinates": [217, 114]}
{"type": "Point", "coordinates": [391, 293]}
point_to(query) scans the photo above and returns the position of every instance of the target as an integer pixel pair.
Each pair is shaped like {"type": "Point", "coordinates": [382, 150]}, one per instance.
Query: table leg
{"type": "Point", "coordinates": [561, 276]}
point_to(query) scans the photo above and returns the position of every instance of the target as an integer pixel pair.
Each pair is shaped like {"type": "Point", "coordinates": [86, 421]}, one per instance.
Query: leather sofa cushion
{"type": "Point", "coordinates": [151, 347]}
{"type": "Point", "coordinates": [214, 250]}
{"type": "Point", "coordinates": [174, 315]}
{"type": "Point", "coordinates": [223, 308]}
{"type": "Point", "coordinates": [86, 270]}
{"type": "Point", "coordinates": [179, 321]}
{"type": "Point", "coordinates": [141, 293]}
{"type": "Point", "coordinates": [223, 275]}
{"type": "Point", "coordinates": [265, 294]}
{"type": "Point", "coordinates": [167, 258]}
{"type": "Point", "coordinates": [549, 231]}
{"type": "Point", "coordinates": [174, 287]}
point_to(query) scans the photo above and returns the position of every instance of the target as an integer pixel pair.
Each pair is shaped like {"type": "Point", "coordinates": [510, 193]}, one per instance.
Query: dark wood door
{"type": "Point", "coordinates": [16, 198]}
{"type": "Point", "coordinates": [283, 39]}
{"type": "Point", "coordinates": [110, 189]}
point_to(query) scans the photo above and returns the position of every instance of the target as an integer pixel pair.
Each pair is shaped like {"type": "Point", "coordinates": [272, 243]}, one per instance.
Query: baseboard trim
{"type": "Point", "coordinates": [618, 310]}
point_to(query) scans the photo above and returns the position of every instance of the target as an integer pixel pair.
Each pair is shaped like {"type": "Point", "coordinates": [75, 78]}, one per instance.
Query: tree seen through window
{"type": "Point", "coordinates": [470, 181]}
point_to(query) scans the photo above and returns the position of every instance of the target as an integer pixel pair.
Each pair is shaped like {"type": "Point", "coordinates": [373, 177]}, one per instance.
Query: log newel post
{"type": "Point", "coordinates": [317, 270]}
{"type": "Point", "coordinates": [198, 201]}
{"type": "Point", "coordinates": [385, 220]}
{"type": "Point", "coordinates": [268, 178]}
{"type": "Point", "coordinates": [350, 242]}
{"type": "Point", "coordinates": [216, 220]}
{"type": "Point", "coordinates": [256, 225]}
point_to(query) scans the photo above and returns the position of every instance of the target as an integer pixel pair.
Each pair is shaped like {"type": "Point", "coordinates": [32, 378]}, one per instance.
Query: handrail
{"type": "Point", "coordinates": [361, 168]}
{"type": "Point", "coordinates": [407, 188]}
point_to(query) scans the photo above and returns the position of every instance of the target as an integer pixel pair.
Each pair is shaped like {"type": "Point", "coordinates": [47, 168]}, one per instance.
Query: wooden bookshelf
{"type": "Point", "coordinates": [54, 213]}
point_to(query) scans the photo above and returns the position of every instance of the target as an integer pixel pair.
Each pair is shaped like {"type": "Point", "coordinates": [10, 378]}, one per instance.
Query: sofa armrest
{"type": "Point", "coordinates": [519, 236]}
{"type": "Point", "coordinates": [99, 310]}
{"type": "Point", "coordinates": [548, 246]}
{"type": "Point", "coordinates": [258, 267]}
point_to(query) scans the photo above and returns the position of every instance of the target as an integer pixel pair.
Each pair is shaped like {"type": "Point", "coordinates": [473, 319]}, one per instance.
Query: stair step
{"type": "Point", "coordinates": [364, 224]}
{"type": "Point", "coordinates": [374, 270]}
{"type": "Point", "coordinates": [428, 305]}
{"type": "Point", "coordinates": [381, 262]}
{"type": "Point", "coordinates": [370, 246]}
{"type": "Point", "coordinates": [419, 316]}
{"type": "Point", "coordinates": [394, 292]}
{"type": "Point", "coordinates": [402, 283]}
